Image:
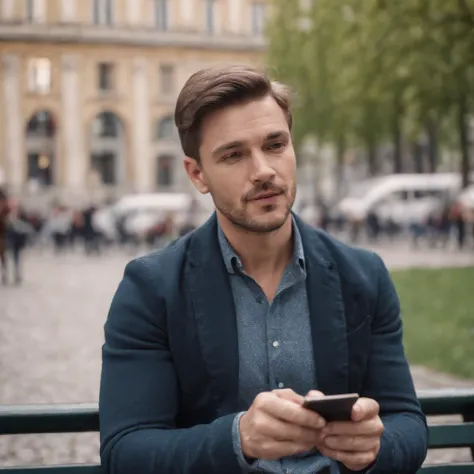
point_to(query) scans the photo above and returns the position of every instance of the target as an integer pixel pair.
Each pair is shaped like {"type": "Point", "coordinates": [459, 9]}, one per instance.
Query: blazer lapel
{"type": "Point", "coordinates": [326, 307]}
{"type": "Point", "coordinates": [214, 313]}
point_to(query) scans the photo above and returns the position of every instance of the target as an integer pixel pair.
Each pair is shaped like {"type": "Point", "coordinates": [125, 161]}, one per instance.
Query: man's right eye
{"type": "Point", "coordinates": [232, 156]}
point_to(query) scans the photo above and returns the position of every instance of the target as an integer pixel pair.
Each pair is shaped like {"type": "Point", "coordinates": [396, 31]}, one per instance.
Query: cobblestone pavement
{"type": "Point", "coordinates": [51, 331]}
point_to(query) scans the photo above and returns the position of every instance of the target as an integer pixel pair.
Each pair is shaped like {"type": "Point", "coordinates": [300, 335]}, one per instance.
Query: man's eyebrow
{"type": "Point", "coordinates": [227, 147]}
{"type": "Point", "coordinates": [278, 134]}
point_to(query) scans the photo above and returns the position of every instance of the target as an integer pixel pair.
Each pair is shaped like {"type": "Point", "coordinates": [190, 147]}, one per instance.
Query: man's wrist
{"type": "Point", "coordinates": [245, 462]}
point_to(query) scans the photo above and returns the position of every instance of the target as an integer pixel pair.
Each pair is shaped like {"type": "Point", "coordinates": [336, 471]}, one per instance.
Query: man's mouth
{"type": "Point", "coordinates": [266, 195]}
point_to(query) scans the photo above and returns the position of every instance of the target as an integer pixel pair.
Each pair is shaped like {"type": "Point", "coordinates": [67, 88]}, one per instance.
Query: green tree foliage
{"type": "Point", "coordinates": [369, 72]}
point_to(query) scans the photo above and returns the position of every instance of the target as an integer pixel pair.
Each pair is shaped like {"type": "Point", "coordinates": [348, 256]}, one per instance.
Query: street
{"type": "Point", "coordinates": [51, 332]}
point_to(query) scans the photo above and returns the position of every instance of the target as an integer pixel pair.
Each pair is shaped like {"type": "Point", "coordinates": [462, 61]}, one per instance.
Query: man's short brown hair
{"type": "Point", "coordinates": [212, 89]}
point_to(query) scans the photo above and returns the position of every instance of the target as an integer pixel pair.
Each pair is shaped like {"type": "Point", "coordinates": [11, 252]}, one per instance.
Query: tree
{"type": "Point", "coordinates": [378, 71]}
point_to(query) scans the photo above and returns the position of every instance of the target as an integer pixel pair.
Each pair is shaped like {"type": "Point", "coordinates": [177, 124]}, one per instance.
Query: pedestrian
{"type": "Point", "coordinates": [212, 343]}
{"type": "Point", "coordinates": [18, 232]}
{"type": "Point", "coordinates": [4, 211]}
{"type": "Point", "coordinates": [457, 217]}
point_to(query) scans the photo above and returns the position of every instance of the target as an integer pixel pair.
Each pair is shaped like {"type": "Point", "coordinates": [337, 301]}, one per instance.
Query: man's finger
{"type": "Point", "coordinates": [315, 393]}
{"type": "Point", "coordinates": [364, 409]}
{"type": "Point", "coordinates": [290, 412]}
{"type": "Point", "coordinates": [288, 394]}
{"type": "Point", "coordinates": [373, 427]}
{"type": "Point", "coordinates": [353, 443]}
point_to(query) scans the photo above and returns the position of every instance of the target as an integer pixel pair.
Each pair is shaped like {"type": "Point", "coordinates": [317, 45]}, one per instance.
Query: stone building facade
{"type": "Point", "coordinates": [88, 87]}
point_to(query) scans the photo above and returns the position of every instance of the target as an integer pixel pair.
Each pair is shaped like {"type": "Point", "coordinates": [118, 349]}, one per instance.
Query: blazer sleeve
{"type": "Point", "coordinates": [388, 380]}
{"type": "Point", "coordinates": [138, 400]}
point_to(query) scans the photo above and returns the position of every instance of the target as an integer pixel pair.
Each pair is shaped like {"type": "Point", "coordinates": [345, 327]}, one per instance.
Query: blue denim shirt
{"type": "Point", "coordinates": [275, 348]}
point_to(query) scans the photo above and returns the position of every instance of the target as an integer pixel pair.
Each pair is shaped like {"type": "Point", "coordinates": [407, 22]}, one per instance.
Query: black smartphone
{"type": "Point", "coordinates": [333, 407]}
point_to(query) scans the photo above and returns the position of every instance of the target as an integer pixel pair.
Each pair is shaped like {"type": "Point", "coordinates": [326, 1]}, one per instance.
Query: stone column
{"type": "Point", "coordinates": [186, 16]}
{"type": "Point", "coordinates": [7, 9]}
{"type": "Point", "coordinates": [39, 13]}
{"type": "Point", "coordinates": [133, 12]}
{"type": "Point", "coordinates": [68, 11]}
{"type": "Point", "coordinates": [14, 153]}
{"type": "Point", "coordinates": [234, 16]}
{"type": "Point", "coordinates": [75, 160]}
{"type": "Point", "coordinates": [140, 127]}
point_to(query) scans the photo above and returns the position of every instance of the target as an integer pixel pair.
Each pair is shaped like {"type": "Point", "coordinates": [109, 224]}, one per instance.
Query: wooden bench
{"type": "Point", "coordinates": [40, 419]}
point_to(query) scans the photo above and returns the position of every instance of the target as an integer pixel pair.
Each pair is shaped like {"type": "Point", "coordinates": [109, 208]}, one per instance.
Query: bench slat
{"type": "Point", "coordinates": [449, 436]}
{"type": "Point", "coordinates": [35, 419]}
{"type": "Point", "coordinates": [467, 468]}
{"type": "Point", "coordinates": [446, 401]}
{"type": "Point", "coordinates": [71, 469]}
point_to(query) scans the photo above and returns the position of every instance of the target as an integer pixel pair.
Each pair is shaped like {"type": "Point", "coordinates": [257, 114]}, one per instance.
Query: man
{"type": "Point", "coordinates": [211, 343]}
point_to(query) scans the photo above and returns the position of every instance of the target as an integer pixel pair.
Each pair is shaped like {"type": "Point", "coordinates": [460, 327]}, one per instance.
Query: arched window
{"type": "Point", "coordinates": [40, 144]}
{"type": "Point", "coordinates": [41, 125]}
{"type": "Point", "coordinates": [107, 148]}
{"type": "Point", "coordinates": [106, 125]}
{"type": "Point", "coordinates": [164, 176]}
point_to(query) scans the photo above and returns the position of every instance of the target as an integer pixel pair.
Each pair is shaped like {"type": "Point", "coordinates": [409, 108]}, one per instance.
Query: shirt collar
{"type": "Point", "coordinates": [233, 262]}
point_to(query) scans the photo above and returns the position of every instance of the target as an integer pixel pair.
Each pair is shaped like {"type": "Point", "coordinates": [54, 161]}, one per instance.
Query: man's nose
{"type": "Point", "coordinates": [261, 168]}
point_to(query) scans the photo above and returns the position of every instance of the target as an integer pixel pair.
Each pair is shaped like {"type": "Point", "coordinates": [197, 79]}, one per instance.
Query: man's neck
{"type": "Point", "coordinates": [260, 253]}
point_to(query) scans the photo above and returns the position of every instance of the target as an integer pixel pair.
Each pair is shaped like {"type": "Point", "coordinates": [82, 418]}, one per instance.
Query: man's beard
{"type": "Point", "coordinates": [239, 217]}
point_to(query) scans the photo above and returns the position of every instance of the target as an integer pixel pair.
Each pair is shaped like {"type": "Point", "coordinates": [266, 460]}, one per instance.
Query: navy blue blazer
{"type": "Point", "coordinates": [168, 393]}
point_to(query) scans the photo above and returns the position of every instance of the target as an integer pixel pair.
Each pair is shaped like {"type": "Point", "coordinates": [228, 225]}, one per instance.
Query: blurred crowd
{"type": "Point", "coordinates": [64, 229]}
{"type": "Point", "coordinates": [451, 223]}
{"type": "Point", "coordinates": [136, 225]}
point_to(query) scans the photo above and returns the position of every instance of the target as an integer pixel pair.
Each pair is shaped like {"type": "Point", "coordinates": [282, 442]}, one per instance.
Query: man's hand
{"type": "Point", "coordinates": [355, 443]}
{"type": "Point", "coordinates": [276, 425]}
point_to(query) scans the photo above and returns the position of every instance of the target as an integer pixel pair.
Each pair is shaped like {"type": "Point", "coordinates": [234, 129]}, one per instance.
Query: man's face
{"type": "Point", "coordinates": [248, 164]}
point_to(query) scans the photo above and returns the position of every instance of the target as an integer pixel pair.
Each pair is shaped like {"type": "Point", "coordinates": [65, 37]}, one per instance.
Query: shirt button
{"type": "Point", "coordinates": [281, 385]}
{"type": "Point", "coordinates": [259, 299]}
{"type": "Point", "coordinates": [276, 344]}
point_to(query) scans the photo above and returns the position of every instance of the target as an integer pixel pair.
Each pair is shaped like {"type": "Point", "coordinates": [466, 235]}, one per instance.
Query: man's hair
{"type": "Point", "coordinates": [209, 90]}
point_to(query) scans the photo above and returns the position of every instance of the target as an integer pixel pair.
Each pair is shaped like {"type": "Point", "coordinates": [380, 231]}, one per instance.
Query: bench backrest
{"type": "Point", "coordinates": [80, 418]}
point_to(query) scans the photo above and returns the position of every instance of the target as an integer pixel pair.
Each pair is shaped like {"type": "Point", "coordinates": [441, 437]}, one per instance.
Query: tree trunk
{"type": "Point", "coordinates": [372, 157]}
{"type": "Point", "coordinates": [341, 149]}
{"type": "Point", "coordinates": [417, 151]}
{"type": "Point", "coordinates": [464, 141]}
{"type": "Point", "coordinates": [432, 132]}
{"type": "Point", "coordinates": [397, 138]}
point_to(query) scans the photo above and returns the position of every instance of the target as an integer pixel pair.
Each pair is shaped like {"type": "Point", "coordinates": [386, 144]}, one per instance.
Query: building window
{"type": "Point", "coordinates": [105, 76]}
{"type": "Point", "coordinates": [166, 129]}
{"type": "Point", "coordinates": [209, 19]}
{"type": "Point", "coordinates": [165, 171]}
{"type": "Point", "coordinates": [106, 125]}
{"type": "Point", "coordinates": [102, 12]}
{"type": "Point", "coordinates": [40, 168]}
{"type": "Point", "coordinates": [39, 75]}
{"type": "Point", "coordinates": [258, 18]}
{"type": "Point", "coordinates": [41, 125]}
{"type": "Point", "coordinates": [161, 14]}
{"type": "Point", "coordinates": [167, 80]}
{"type": "Point", "coordinates": [103, 163]}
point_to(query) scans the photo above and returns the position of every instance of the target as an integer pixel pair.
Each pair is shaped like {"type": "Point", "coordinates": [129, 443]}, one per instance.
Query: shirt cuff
{"type": "Point", "coordinates": [245, 464]}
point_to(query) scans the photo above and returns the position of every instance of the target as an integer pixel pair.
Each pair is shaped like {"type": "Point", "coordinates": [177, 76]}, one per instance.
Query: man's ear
{"type": "Point", "coordinates": [194, 171]}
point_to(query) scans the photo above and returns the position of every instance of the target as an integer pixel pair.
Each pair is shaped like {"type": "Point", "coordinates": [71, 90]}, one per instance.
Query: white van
{"type": "Point", "coordinates": [402, 198]}
{"type": "Point", "coordinates": [142, 211]}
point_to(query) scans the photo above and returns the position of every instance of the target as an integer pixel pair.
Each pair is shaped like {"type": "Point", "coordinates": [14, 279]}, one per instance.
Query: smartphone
{"type": "Point", "coordinates": [333, 407]}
